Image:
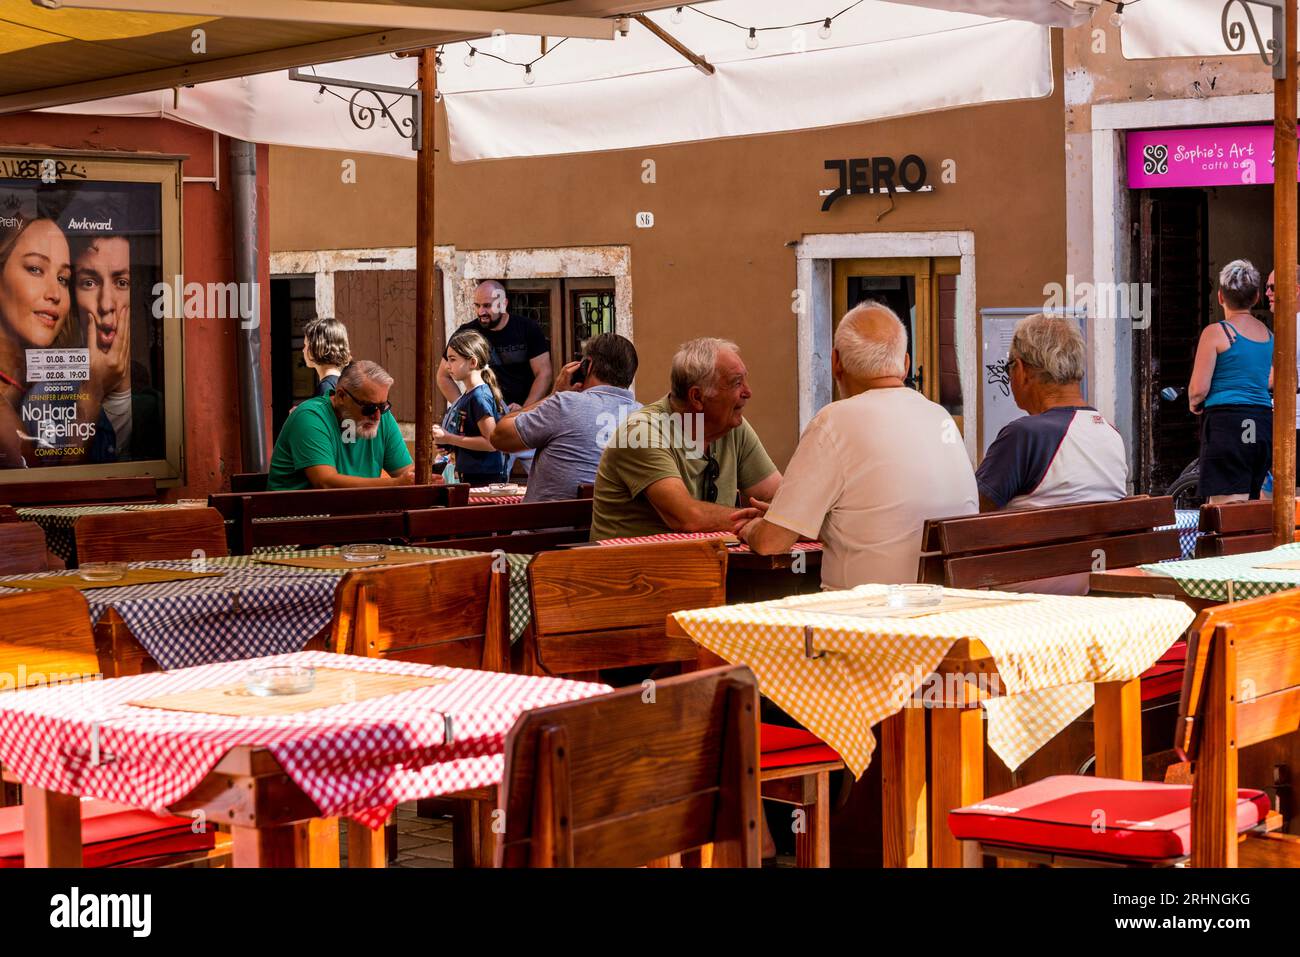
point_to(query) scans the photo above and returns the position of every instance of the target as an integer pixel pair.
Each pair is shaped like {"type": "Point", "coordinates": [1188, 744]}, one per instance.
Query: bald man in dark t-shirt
{"type": "Point", "coordinates": [521, 357]}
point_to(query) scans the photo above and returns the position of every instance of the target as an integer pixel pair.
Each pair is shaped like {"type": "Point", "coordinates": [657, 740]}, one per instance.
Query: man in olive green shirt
{"type": "Point", "coordinates": [676, 465]}
{"type": "Point", "coordinates": [345, 440]}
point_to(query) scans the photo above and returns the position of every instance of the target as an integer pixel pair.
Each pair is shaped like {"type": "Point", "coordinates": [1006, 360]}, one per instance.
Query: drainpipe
{"type": "Point", "coordinates": [243, 170]}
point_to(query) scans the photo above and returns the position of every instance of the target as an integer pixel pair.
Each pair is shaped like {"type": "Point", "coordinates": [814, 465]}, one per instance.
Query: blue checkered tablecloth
{"type": "Point", "coordinates": [251, 611]}
{"type": "Point", "coordinates": [1188, 523]}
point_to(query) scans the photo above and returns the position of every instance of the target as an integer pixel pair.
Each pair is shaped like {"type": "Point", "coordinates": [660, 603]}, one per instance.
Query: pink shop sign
{"type": "Point", "coordinates": [1216, 156]}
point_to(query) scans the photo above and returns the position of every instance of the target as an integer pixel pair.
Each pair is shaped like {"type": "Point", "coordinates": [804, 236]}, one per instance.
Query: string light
{"type": "Point", "coordinates": [469, 57]}
{"type": "Point", "coordinates": [825, 31]}
{"type": "Point", "coordinates": [676, 16]}
{"type": "Point", "coordinates": [752, 40]}
{"type": "Point", "coordinates": [1117, 18]}
{"type": "Point", "coordinates": [437, 63]}
{"type": "Point", "coordinates": [319, 96]}
{"type": "Point", "coordinates": [528, 74]}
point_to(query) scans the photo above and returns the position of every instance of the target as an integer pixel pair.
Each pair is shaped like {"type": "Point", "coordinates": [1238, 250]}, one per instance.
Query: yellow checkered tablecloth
{"type": "Point", "coordinates": [1049, 651]}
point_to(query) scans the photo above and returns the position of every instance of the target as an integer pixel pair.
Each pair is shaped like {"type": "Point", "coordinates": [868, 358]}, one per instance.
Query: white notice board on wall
{"type": "Point", "coordinates": [997, 406]}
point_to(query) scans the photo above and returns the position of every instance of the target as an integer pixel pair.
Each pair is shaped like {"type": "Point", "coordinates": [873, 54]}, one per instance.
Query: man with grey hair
{"type": "Point", "coordinates": [348, 439]}
{"type": "Point", "coordinates": [676, 465]}
{"type": "Point", "coordinates": [870, 468]}
{"type": "Point", "coordinates": [1063, 452]}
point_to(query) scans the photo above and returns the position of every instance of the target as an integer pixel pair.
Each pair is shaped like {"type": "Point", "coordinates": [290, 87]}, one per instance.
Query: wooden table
{"type": "Point", "coordinates": [1137, 582]}
{"type": "Point", "coordinates": [956, 749]}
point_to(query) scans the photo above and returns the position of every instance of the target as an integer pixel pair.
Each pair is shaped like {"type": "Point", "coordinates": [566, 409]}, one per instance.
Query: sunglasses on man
{"type": "Point", "coordinates": [367, 408]}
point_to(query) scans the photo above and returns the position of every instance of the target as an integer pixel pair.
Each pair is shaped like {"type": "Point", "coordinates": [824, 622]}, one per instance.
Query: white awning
{"type": "Point", "coordinates": [1172, 28]}
{"type": "Point", "coordinates": [882, 60]}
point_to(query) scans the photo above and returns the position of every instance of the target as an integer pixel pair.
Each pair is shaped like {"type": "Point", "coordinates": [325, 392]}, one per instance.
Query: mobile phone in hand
{"type": "Point", "coordinates": [580, 373]}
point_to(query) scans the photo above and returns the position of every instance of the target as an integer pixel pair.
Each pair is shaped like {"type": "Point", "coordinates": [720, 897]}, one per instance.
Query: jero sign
{"type": "Point", "coordinates": [876, 174]}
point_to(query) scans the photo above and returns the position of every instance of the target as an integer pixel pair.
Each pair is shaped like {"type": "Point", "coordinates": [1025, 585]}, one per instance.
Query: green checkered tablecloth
{"type": "Point", "coordinates": [520, 612]}
{"type": "Point", "coordinates": [1233, 577]}
{"type": "Point", "coordinates": [57, 521]}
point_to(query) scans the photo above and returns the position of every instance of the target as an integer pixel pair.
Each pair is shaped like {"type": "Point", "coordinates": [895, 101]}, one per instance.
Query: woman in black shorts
{"type": "Point", "coordinates": [1231, 389]}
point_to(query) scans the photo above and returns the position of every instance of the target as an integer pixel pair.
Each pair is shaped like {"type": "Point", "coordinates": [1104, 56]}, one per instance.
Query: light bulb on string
{"type": "Point", "coordinates": [528, 75]}
{"type": "Point", "coordinates": [469, 57]}
{"type": "Point", "coordinates": [1117, 18]}
{"type": "Point", "coordinates": [676, 16]}
{"type": "Point", "coordinates": [319, 95]}
{"type": "Point", "coordinates": [383, 119]}
{"type": "Point", "coordinates": [438, 65]}
{"type": "Point", "coordinates": [751, 41]}
{"type": "Point", "coordinates": [824, 31]}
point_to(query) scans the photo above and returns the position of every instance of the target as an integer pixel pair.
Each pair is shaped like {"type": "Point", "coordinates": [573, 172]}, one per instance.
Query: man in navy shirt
{"type": "Point", "coordinates": [1063, 452]}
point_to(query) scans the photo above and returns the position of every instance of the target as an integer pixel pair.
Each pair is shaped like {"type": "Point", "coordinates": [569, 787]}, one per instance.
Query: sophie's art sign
{"type": "Point", "coordinates": [1217, 156]}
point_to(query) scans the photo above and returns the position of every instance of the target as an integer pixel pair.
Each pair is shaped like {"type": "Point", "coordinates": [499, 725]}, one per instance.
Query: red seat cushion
{"type": "Point", "coordinates": [782, 747]}
{"type": "Point", "coordinates": [1095, 817]}
{"type": "Point", "coordinates": [112, 834]}
{"type": "Point", "coordinates": [1165, 677]}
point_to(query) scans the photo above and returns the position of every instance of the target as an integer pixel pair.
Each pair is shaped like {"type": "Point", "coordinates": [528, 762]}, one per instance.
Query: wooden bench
{"type": "Point", "coordinates": [1241, 688]}
{"type": "Point", "coordinates": [150, 536]}
{"type": "Point", "coordinates": [248, 482]}
{"type": "Point", "coordinates": [310, 517]}
{"type": "Point", "coordinates": [995, 549]}
{"type": "Point", "coordinates": [614, 782]}
{"type": "Point", "coordinates": [79, 491]}
{"type": "Point", "coordinates": [22, 549]}
{"type": "Point", "coordinates": [1236, 529]}
{"type": "Point", "coordinates": [541, 525]}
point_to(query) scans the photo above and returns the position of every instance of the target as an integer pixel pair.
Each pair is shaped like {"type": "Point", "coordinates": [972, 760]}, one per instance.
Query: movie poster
{"type": "Point", "coordinates": [81, 357]}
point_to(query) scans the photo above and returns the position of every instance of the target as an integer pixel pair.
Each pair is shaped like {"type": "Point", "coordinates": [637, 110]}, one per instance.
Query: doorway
{"type": "Point", "coordinates": [293, 305]}
{"type": "Point", "coordinates": [569, 311]}
{"type": "Point", "coordinates": [922, 292]}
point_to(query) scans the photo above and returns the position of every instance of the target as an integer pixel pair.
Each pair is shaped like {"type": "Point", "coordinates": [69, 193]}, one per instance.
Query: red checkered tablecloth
{"type": "Point", "coordinates": [690, 536]}
{"type": "Point", "coordinates": [357, 759]}
{"type": "Point", "coordinates": [475, 499]}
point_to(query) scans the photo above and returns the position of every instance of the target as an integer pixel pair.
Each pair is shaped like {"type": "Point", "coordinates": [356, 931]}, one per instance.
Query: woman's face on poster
{"type": "Point", "coordinates": [103, 288]}
{"type": "Point", "coordinates": [34, 285]}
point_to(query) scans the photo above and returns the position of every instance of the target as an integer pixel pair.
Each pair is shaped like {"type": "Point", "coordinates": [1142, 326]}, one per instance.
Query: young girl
{"type": "Point", "coordinates": [469, 421]}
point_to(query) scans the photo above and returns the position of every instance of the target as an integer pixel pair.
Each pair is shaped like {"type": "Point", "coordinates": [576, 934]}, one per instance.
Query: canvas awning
{"type": "Point", "coordinates": [1155, 29]}
{"type": "Point", "coordinates": [879, 62]}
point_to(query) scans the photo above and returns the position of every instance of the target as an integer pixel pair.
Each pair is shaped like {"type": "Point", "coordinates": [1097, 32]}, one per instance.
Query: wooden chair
{"type": "Point", "coordinates": [995, 549]}
{"type": "Point", "coordinates": [335, 516]}
{"type": "Point", "coordinates": [22, 549]}
{"type": "Point", "coordinates": [518, 528]}
{"type": "Point", "coordinates": [1236, 529]}
{"type": "Point", "coordinates": [451, 611]}
{"type": "Point", "coordinates": [248, 482]}
{"type": "Point", "coordinates": [613, 782]}
{"type": "Point", "coordinates": [47, 639]}
{"type": "Point", "coordinates": [9, 514]}
{"type": "Point", "coordinates": [153, 535]}
{"type": "Point", "coordinates": [79, 491]}
{"type": "Point", "coordinates": [1241, 687]}
{"type": "Point", "coordinates": [599, 608]}
{"type": "Point", "coordinates": [587, 490]}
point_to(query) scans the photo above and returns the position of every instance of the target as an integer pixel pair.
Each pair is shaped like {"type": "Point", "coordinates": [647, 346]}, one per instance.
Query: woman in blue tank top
{"type": "Point", "coordinates": [1231, 389]}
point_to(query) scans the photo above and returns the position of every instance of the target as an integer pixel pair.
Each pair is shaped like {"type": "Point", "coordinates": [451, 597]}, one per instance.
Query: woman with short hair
{"type": "Point", "coordinates": [1231, 389]}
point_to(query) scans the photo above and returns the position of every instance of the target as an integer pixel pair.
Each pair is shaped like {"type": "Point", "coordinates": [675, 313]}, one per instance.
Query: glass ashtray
{"type": "Point", "coordinates": [192, 503]}
{"type": "Point", "coordinates": [102, 571]}
{"type": "Point", "coordinates": [280, 679]}
{"type": "Point", "coordinates": [504, 488]}
{"type": "Point", "coordinates": [914, 596]}
{"type": "Point", "coordinates": [363, 553]}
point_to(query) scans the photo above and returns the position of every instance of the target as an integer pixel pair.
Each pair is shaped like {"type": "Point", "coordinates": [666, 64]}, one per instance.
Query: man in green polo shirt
{"type": "Point", "coordinates": [676, 465]}
{"type": "Point", "coordinates": [345, 440]}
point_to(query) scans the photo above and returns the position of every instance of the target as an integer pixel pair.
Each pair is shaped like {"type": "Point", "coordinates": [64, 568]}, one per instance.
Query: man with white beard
{"type": "Point", "coordinates": [348, 439]}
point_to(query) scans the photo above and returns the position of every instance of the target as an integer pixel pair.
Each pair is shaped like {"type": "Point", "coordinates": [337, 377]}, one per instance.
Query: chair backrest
{"type": "Point", "coordinates": [1235, 529]}
{"type": "Point", "coordinates": [1000, 548]}
{"type": "Point", "coordinates": [332, 516]}
{"type": "Point", "coordinates": [450, 611]}
{"type": "Point", "coordinates": [587, 490]}
{"type": "Point", "coordinates": [248, 482]}
{"type": "Point", "coordinates": [9, 514]}
{"type": "Point", "coordinates": [1241, 687]}
{"type": "Point", "coordinates": [47, 638]}
{"type": "Point", "coordinates": [611, 781]}
{"type": "Point", "coordinates": [150, 535]}
{"type": "Point", "coordinates": [606, 606]}
{"type": "Point", "coordinates": [22, 548]}
{"type": "Point", "coordinates": [520, 527]}
{"type": "Point", "coordinates": [79, 491]}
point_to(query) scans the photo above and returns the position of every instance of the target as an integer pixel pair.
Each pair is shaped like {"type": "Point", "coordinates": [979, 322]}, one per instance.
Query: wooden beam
{"type": "Point", "coordinates": [369, 15]}
{"type": "Point", "coordinates": [1284, 263]}
{"type": "Point", "coordinates": [701, 64]}
{"type": "Point", "coordinates": [429, 331]}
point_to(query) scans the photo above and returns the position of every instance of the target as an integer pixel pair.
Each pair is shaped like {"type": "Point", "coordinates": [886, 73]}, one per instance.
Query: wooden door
{"type": "Point", "coordinates": [912, 288]}
{"type": "Point", "coordinates": [378, 308]}
{"type": "Point", "coordinates": [1173, 256]}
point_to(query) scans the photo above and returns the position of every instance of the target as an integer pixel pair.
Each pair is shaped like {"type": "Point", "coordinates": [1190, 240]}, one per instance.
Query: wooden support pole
{"type": "Point", "coordinates": [1284, 263]}
{"type": "Point", "coordinates": [429, 332]}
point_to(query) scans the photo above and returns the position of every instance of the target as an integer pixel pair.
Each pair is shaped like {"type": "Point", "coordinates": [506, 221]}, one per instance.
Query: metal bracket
{"type": "Point", "coordinates": [363, 116]}
{"type": "Point", "coordinates": [808, 650]}
{"type": "Point", "coordinates": [1234, 33]}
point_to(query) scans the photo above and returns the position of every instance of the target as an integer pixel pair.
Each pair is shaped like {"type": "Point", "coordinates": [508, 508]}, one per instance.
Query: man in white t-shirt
{"type": "Point", "coordinates": [870, 468]}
